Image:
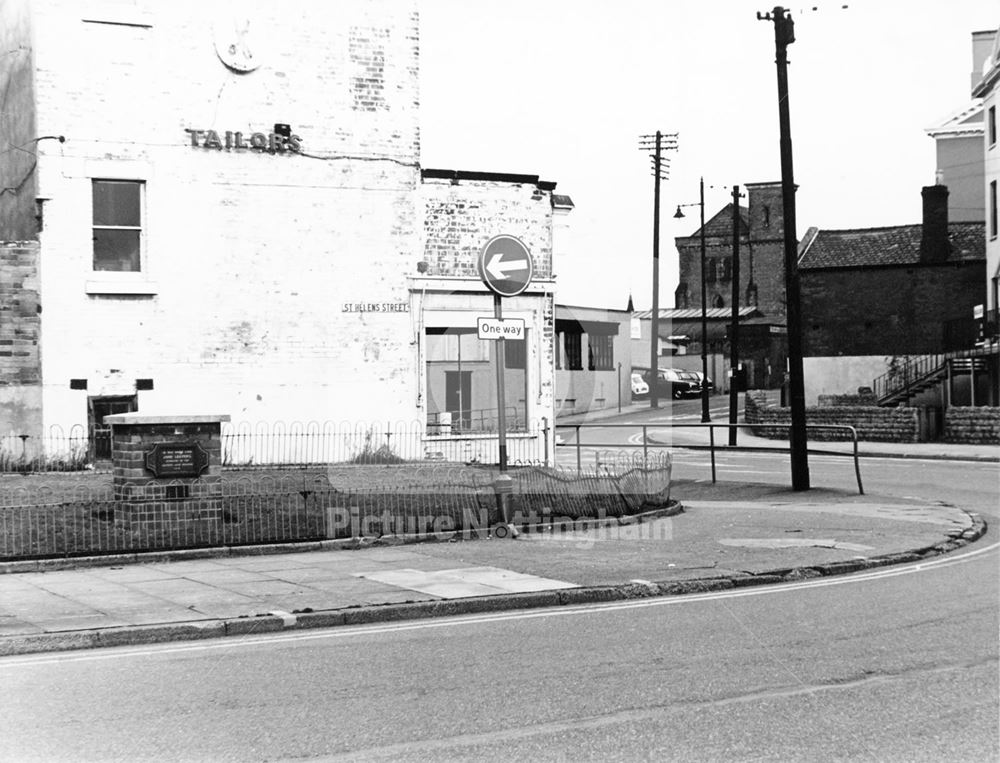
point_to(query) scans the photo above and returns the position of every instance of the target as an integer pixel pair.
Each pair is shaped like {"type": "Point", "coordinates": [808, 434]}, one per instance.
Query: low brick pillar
{"type": "Point", "coordinates": [167, 476]}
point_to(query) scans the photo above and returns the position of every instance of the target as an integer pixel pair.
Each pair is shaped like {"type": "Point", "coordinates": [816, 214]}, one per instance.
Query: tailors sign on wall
{"type": "Point", "coordinates": [275, 142]}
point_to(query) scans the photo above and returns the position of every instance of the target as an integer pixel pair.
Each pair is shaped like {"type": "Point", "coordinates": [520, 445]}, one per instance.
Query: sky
{"type": "Point", "coordinates": [564, 89]}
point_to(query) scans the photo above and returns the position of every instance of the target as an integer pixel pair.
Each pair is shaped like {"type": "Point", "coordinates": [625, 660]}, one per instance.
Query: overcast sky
{"type": "Point", "coordinates": [564, 88]}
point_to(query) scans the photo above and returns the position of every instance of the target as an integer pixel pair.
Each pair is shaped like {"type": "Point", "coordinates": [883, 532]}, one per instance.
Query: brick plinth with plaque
{"type": "Point", "coordinates": [167, 471]}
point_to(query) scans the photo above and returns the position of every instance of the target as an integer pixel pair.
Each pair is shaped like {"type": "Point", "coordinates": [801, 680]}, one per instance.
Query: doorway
{"type": "Point", "coordinates": [458, 397]}
{"type": "Point", "coordinates": [100, 432]}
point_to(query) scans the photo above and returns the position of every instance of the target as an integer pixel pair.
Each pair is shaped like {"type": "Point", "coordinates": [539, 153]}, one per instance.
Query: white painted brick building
{"type": "Point", "coordinates": [230, 217]}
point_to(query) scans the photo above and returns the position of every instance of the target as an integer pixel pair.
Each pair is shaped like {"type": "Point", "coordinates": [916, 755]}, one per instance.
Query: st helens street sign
{"type": "Point", "coordinates": [505, 266]}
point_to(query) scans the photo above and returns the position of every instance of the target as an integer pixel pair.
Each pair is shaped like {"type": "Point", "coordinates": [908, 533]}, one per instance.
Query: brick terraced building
{"type": "Point", "coordinates": [873, 294]}
{"type": "Point", "coordinates": [216, 213]}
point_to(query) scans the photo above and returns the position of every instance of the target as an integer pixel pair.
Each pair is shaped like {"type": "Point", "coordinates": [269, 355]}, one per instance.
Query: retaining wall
{"type": "Point", "coordinates": [974, 425]}
{"type": "Point", "coordinates": [871, 422]}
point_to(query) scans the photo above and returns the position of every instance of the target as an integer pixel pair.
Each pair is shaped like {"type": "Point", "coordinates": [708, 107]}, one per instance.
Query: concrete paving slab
{"type": "Point", "coordinates": [225, 577]}
{"type": "Point", "coordinates": [793, 543]}
{"type": "Point", "coordinates": [463, 582]}
{"type": "Point", "coordinates": [265, 588]}
{"type": "Point", "coordinates": [136, 573]}
{"type": "Point", "coordinates": [78, 622]}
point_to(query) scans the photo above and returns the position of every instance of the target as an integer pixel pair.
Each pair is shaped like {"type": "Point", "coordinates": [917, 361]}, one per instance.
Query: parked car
{"type": "Point", "coordinates": [639, 386]}
{"type": "Point", "coordinates": [699, 378]}
{"type": "Point", "coordinates": [671, 382]}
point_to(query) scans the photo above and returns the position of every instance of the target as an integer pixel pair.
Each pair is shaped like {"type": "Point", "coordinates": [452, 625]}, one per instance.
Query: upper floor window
{"type": "Point", "coordinates": [117, 225]}
{"type": "Point", "coordinates": [993, 209]}
{"type": "Point", "coordinates": [991, 120]}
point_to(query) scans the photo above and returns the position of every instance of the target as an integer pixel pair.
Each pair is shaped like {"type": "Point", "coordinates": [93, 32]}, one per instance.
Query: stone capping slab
{"type": "Point", "coordinates": [272, 622]}
{"type": "Point", "coordinates": [142, 418]}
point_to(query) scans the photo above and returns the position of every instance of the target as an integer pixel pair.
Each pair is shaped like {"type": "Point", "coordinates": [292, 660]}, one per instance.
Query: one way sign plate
{"type": "Point", "coordinates": [495, 328]}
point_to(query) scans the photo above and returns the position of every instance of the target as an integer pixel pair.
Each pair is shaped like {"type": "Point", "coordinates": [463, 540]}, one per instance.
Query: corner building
{"type": "Point", "coordinates": [209, 211]}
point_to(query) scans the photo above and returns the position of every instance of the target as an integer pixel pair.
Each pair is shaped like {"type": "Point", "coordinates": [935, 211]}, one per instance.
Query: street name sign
{"type": "Point", "coordinates": [505, 266]}
{"type": "Point", "coordinates": [493, 328]}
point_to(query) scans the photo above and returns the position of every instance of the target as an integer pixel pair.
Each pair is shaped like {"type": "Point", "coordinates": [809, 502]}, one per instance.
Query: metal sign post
{"type": "Point", "coordinates": [506, 268]}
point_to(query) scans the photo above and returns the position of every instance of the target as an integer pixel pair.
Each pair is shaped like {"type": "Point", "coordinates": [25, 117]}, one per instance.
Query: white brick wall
{"type": "Point", "coordinates": [252, 255]}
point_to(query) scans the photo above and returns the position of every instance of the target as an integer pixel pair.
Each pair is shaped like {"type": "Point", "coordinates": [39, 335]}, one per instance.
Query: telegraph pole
{"type": "Point", "coordinates": [784, 35]}
{"type": "Point", "coordinates": [657, 144]}
{"type": "Point", "coordinates": [734, 338]}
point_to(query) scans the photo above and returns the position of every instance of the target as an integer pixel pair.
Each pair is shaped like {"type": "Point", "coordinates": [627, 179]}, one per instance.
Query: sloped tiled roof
{"type": "Point", "coordinates": [722, 223]}
{"type": "Point", "coordinates": [688, 313]}
{"type": "Point", "coordinates": [899, 245]}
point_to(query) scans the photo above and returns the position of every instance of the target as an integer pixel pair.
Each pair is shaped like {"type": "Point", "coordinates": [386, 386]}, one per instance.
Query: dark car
{"type": "Point", "coordinates": [698, 378]}
{"type": "Point", "coordinates": [672, 382]}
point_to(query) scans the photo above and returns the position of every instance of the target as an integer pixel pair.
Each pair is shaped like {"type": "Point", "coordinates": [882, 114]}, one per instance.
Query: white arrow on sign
{"type": "Point", "coordinates": [501, 270]}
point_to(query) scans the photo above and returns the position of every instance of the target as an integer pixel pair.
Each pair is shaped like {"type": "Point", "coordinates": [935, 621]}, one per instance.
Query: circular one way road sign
{"type": "Point", "coordinates": [505, 266]}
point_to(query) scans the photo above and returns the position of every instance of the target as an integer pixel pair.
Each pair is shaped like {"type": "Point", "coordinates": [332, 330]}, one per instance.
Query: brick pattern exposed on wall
{"type": "Point", "coordinates": [872, 423]}
{"type": "Point", "coordinates": [460, 219]}
{"type": "Point", "coordinates": [974, 425]}
{"type": "Point", "coordinates": [20, 314]}
{"type": "Point", "coordinates": [886, 311]}
{"type": "Point", "coordinates": [17, 125]}
{"type": "Point", "coordinates": [847, 400]}
{"type": "Point", "coordinates": [761, 257]}
{"type": "Point", "coordinates": [367, 47]}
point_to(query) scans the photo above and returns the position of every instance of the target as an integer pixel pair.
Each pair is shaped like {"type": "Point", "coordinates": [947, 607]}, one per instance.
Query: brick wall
{"type": "Point", "coordinates": [767, 247]}
{"type": "Point", "coordinates": [872, 423]}
{"type": "Point", "coordinates": [17, 124]}
{"type": "Point", "coordinates": [975, 425]}
{"type": "Point", "coordinates": [274, 285]}
{"type": "Point", "coordinates": [761, 255]}
{"type": "Point", "coordinates": [460, 218]}
{"type": "Point", "coordinates": [888, 310]}
{"type": "Point", "coordinates": [20, 321]}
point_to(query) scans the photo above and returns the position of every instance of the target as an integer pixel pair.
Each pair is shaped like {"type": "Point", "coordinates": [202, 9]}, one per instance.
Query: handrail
{"type": "Point", "coordinates": [919, 367]}
{"type": "Point", "coordinates": [711, 447]}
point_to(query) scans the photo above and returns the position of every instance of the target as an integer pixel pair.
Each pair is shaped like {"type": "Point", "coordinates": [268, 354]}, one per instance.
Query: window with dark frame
{"type": "Point", "coordinates": [515, 353]}
{"type": "Point", "coordinates": [573, 350]}
{"type": "Point", "coordinates": [600, 352]}
{"type": "Point", "coordinates": [726, 269]}
{"type": "Point", "coordinates": [117, 225]}
{"type": "Point", "coordinates": [992, 122]}
{"type": "Point", "coordinates": [993, 209]}
{"type": "Point", "coordinates": [711, 268]}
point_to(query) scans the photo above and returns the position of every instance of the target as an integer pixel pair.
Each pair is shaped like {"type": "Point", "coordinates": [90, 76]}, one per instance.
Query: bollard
{"type": "Point", "coordinates": [503, 486]}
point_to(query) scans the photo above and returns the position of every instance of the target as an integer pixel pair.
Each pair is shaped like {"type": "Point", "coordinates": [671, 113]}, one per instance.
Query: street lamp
{"type": "Point", "coordinates": [705, 418]}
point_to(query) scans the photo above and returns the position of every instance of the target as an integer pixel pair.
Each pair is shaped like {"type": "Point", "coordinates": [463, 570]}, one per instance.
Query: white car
{"type": "Point", "coordinates": [639, 386]}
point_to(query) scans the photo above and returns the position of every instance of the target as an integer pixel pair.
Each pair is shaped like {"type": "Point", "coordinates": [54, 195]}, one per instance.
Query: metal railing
{"type": "Point", "coordinates": [712, 447]}
{"type": "Point", "coordinates": [79, 514]}
{"type": "Point", "coordinates": [477, 421]}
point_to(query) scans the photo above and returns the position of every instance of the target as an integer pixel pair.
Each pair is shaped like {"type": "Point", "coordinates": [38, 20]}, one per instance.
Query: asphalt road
{"type": "Point", "coordinates": [899, 664]}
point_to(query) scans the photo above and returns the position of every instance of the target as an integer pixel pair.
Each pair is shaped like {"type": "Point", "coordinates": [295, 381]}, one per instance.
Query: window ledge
{"type": "Point", "coordinates": [148, 288]}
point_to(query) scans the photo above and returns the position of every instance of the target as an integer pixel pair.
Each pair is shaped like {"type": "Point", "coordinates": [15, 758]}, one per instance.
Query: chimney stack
{"type": "Point", "coordinates": [934, 246]}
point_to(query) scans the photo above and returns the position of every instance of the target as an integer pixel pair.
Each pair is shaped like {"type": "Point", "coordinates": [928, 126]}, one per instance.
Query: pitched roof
{"type": "Point", "coordinates": [722, 223]}
{"type": "Point", "coordinates": [966, 121]}
{"type": "Point", "coordinates": [898, 245]}
{"type": "Point", "coordinates": [689, 313]}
